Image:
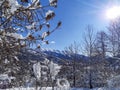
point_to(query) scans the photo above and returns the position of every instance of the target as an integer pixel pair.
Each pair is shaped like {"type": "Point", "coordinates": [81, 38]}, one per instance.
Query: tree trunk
{"type": "Point", "coordinates": [90, 82]}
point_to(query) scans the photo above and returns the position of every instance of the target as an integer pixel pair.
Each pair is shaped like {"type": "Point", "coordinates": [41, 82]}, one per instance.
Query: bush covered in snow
{"type": "Point", "coordinates": [114, 82]}
{"type": "Point", "coordinates": [47, 71]}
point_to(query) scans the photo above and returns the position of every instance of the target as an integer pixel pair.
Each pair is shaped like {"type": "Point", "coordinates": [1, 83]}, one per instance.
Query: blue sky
{"type": "Point", "coordinates": [75, 16]}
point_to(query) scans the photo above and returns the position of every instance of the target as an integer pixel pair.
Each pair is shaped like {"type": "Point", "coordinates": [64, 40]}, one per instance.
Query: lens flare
{"type": "Point", "coordinates": [113, 12]}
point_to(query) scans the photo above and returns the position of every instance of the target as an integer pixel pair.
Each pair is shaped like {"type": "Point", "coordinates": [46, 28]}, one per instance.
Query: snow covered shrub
{"type": "Point", "coordinates": [37, 70]}
{"type": "Point", "coordinates": [46, 71]}
{"type": "Point", "coordinates": [114, 82]}
{"type": "Point", "coordinates": [63, 84]}
{"type": "Point", "coordinates": [5, 80]}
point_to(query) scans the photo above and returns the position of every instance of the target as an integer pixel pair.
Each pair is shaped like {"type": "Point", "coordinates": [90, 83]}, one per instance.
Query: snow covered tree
{"type": "Point", "coordinates": [101, 44]}
{"type": "Point", "coordinates": [23, 23]}
{"type": "Point", "coordinates": [89, 40]}
{"type": "Point", "coordinates": [72, 51]}
{"type": "Point", "coordinates": [114, 37]}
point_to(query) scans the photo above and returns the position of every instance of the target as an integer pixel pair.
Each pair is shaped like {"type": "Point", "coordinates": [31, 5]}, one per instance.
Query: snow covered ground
{"type": "Point", "coordinates": [50, 88]}
{"type": "Point", "coordinates": [95, 89]}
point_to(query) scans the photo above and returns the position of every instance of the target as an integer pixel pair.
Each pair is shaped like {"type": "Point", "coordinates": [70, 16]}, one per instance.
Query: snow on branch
{"type": "Point", "coordinates": [27, 16]}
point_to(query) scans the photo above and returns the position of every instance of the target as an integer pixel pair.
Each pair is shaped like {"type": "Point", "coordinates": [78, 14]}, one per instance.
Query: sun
{"type": "Point", "coordinates": [113, 12]}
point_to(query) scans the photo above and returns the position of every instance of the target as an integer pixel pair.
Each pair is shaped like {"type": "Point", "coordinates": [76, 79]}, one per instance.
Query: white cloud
{"type": "Point", "coordinates": [52, 42]}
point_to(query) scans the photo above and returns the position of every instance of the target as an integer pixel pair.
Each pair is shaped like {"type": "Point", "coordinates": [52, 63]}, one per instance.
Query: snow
{"type": "Point", "coordinates": [31, 26]}
{"type": "Point", "coordinates": [48, 65]}
{"type": "Point", "coordinates": [56, 88]}
{"type": "Point", "coordinates": [101, 88]}
{"type": "Point", "coordinates": [54, 69]}
{"type": "Point", "coordinates": [53, 2]}
{"type": "Point", "coordinates": [46, 61]}
{"type": "Point", "coordinates": [114, 82]}
{"type": "Point", "coordinates": [6, 77]}
{"type": "Point", "coordinates": [16, 58]}
{"type": "Point", "coordinates": [63, 83]}
{"type": "Point", "coordinates": [34, 5]}
{"type": "Point", "coordinates": [49, 14]}
{"type": "Point", "coordinates": [37, 70]}
{"type": "Point", "coordinates": [15, 35]}
{"type": "Point", "coordinates": [35, 2]}
{"type": "Point", "coordinates": [14, 5]}
{"type": "Point", "coordinates": [3, 76]}
{"type": "Point", "coordinates": [6, 61]}
{"type": "Point", "coordinates": [45, 34]}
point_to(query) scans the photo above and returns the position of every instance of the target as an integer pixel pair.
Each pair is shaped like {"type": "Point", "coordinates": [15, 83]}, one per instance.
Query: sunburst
{"type": "Point", "coordinates": [113, 12]}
